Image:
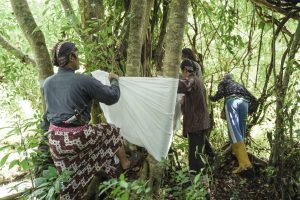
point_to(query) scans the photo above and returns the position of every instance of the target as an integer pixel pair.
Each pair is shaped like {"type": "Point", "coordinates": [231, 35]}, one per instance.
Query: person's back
{"type": "Point", "coordinates": [67, 91]}
{"type": "Point", "coordinates": [236, 108]}
{"type": "Point", "coordinates": [195, 110]}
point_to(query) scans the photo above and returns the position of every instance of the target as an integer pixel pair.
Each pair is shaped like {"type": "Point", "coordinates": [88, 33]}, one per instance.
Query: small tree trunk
{"type": "Point", "coordinates": [158, 53]}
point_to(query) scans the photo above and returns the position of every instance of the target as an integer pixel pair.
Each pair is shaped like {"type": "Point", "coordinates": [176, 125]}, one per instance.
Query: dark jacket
{"type": "Point", "coordinates": [194, 108]}
{"type": "Point", "coordinates": [66, 91]}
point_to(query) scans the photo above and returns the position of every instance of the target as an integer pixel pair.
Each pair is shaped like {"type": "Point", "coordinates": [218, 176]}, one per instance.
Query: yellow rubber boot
{"type": "Point", "coordinates": [239, 150]}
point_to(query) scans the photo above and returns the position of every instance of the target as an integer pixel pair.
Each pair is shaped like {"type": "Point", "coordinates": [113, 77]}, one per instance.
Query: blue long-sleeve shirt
{"type": "Point", "coordinates": [66, 91]}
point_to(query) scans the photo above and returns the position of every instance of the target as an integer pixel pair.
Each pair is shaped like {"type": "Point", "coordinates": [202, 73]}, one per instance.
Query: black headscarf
{"type": "Point", "coordinates": [61, 53]}
{"type": "Point", "coordinates": [189, 65]}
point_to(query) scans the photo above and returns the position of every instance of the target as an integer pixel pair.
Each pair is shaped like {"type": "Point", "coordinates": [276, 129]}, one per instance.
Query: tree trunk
{"type": "Point", "coordinates": [280, 100]}
{"type": "Point", "coordinates": [147, 46]}
{"type": "Point", "coordinates": [36, 39]}
{"type": "Point", "coordinates": [280, 146]}
{"type": "Point", "coordinates": [174, 37]}
{"type": "Point", "coordinates": [158, 53]}
{"type": "Point", "coordinates": [135, 40]}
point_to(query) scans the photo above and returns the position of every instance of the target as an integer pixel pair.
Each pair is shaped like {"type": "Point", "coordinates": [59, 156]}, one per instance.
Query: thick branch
{"type": "Point", "coordinates": [35, 37]}
{"type": "Point", "coordinates": [15, 51]}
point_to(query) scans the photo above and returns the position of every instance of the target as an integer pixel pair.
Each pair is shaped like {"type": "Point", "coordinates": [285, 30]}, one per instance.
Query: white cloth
{"type": "Point", "coordinates": [177, 114]}
{"type": "Point", "coordinates": [144, 112]}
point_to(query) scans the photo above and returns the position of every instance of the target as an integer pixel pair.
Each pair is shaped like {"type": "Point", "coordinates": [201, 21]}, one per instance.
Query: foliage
{"type": "Point", "coordinates": [121, 189]}
{"type": "Point", "coordinates": [232, 36]}
{"type": "Point", "coordinates": [26, 138]}
{"type": "Point", "coordinates": [49, 184]}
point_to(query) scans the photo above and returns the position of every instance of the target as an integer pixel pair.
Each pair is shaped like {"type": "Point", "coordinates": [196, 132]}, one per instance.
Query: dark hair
{"type": "Point", "coordinates": [188, 65]}
{"type": "Point", "coordinates": [188, 53]}
{"type": "Point", "coordinates": [61, 52]}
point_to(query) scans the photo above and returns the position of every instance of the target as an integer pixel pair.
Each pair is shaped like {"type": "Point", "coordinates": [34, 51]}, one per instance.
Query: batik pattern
{"type": "Point", "coordinates": [84, 150]}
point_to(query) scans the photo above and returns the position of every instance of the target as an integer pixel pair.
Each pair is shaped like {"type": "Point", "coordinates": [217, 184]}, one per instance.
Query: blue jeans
{"type": "Point", "coordinates": [236, 110]}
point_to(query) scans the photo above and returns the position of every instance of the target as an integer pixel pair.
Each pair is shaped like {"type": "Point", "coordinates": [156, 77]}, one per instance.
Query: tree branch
{"type": "Point", "coordinates": [34, 36]}
{"type": "Point", "coordinates": [16, 52]}
{"type": "Point", "coordinates": [278, 8]}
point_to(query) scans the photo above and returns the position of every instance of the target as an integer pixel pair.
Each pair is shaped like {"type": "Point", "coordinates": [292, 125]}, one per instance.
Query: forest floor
{"type": "Point", "coordinates": [245, 186]}
{"type": "Point", "coordinates": [224, 185]}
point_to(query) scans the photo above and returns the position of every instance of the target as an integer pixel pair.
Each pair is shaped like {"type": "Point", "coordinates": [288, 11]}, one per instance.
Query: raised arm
{"type": "Point", "coordinates": [105, 94]}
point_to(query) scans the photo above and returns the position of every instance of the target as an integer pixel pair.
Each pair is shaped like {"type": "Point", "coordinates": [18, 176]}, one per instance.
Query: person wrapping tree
{"type": "Point", "coordinates": [237, 99]}
{"type": "Point", "coordinates": [85, 149]}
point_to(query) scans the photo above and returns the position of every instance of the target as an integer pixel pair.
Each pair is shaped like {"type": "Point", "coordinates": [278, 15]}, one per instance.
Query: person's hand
{"type": "Point", "coordinates": [112, 76]}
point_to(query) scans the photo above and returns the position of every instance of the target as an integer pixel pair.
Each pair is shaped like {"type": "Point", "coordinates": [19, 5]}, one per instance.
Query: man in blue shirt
{"type": "Point", "coordinates": [75, 145]}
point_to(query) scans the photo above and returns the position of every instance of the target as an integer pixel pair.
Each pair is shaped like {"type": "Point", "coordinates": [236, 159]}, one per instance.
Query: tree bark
{"type": "Point", "coordinates": [280, 99]}
{"type": "Point", "coordinates": [147, 38]}
{"type": "Point", "coordinates": [135, 40]}
{"type": "Point", "coordinates": [174, 37]}
{"type": "Point", "coordinates": [158, 53]}
{"type": "Point", "coordinates": [35, 38]}
{"type": "Point", "coordinates": [175, 32]}
{"type": "Point", "coordinates": [16, 52]}
{"type": "Point", "coordinates": [90, 10]}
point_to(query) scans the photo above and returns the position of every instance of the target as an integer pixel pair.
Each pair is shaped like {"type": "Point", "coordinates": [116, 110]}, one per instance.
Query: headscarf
{"type": "Point", "coordinates": [61, 53]}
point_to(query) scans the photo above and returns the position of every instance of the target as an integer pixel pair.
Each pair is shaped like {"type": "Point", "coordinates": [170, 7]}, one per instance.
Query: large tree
{"type": "Point", "coordinates": [35, 38]}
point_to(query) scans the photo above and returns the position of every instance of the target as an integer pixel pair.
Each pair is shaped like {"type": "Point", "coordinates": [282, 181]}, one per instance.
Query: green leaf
{"type": "Point", "coordinates": [4, 159]}
{"type": "Point", "coordinates": [5, 147]}
{"type": "Point", "coordinates": [24, 164]}
{"type": "Point", "coordinates": [50, 194]}
{"type": "Point", "coordinates": [125, 196]}
{"type": "Point", "coordinates": [39, 181]}
{"type": "Point", "coordinates": [50, 173]}
{"type": "Point", "coordinates": [123, 184]}
{"type": "Point", "coordinates": [13, 163]}
{"type": "Point", "coordinates": [38, 193]}
{"type": "Point", "coordinates": [57, 186]}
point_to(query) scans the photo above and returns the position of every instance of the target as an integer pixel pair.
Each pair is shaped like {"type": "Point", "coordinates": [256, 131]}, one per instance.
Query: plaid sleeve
{"type": "Point", "coordinates": [220, 93]}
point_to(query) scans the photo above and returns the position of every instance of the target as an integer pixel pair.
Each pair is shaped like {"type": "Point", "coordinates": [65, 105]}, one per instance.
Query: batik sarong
{"type": "Point", "coordinates": [84, 150]}
{"type": "Point", "coordinates": [236, 110]}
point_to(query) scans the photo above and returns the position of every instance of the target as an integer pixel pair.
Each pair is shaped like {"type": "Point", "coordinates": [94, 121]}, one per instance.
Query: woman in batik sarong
{"type": "Point", "coordinates": [85, 149]}
{"type": "Point", "coordinates": [237, 98]}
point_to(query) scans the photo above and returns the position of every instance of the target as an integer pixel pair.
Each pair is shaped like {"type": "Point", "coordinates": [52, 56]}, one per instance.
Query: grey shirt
{"type": "Point", "coordinates": [66, 91]}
